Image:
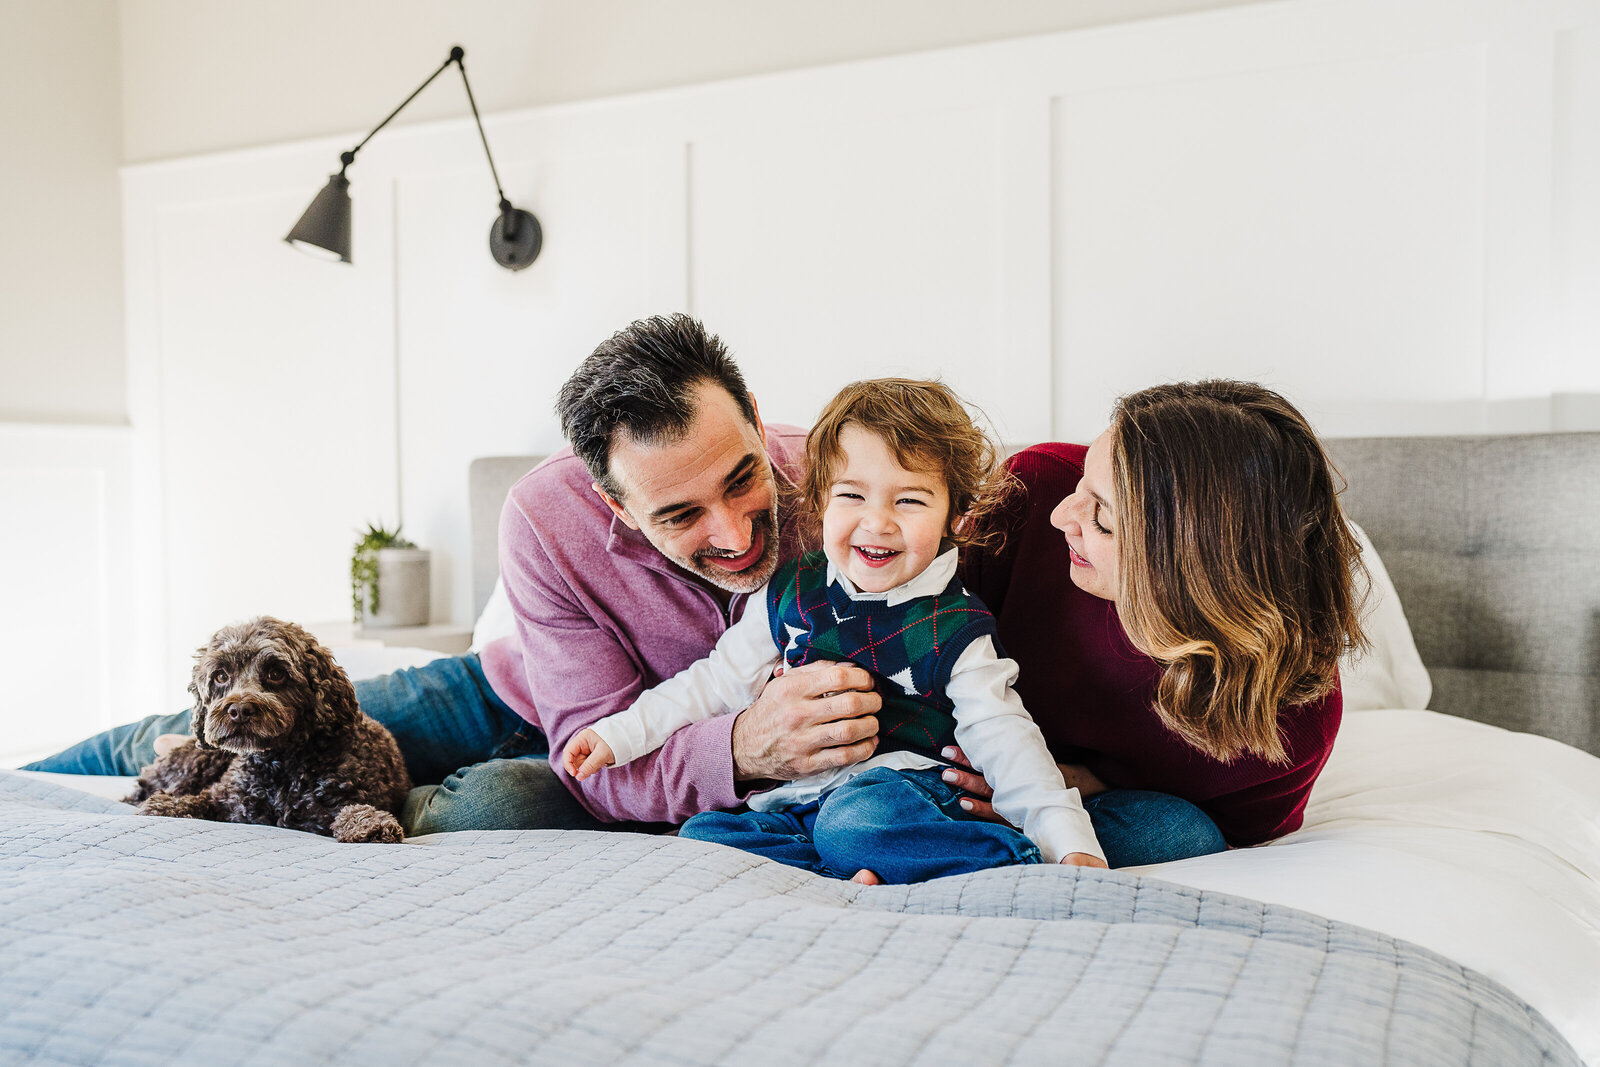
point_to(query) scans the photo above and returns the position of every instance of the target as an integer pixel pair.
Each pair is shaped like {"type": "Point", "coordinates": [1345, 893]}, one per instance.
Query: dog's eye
{"type": "Point", "coordinates": [219, 677]}
{"type": "Point", "coordinates": [275, 674]}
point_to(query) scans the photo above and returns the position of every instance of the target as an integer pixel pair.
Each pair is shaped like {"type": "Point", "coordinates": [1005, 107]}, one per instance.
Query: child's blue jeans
{"type": "Point", "coordinates": [904, 826]}
{"type": "Point", "coordinates": [908, 826]}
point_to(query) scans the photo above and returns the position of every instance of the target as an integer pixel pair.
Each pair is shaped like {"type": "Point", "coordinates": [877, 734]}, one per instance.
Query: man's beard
{"type": "Point", "coordinates": [753, 577]}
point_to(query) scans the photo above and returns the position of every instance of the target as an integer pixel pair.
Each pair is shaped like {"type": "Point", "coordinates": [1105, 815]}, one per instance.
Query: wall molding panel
{"type": "Point", "coordinates": [75, 661]}
{"type": "Point", "coordinates": [1386, 208]}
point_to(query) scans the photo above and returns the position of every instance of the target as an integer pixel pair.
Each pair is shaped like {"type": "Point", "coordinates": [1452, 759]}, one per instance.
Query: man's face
{"type": "Point", "coordinates": [705, 501]}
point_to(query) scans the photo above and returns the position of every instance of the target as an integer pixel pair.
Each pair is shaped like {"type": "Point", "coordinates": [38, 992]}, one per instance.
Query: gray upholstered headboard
{"type": "Point", "coordinates": [489, 479]}
{"type": "Point", "coordinates": [1492, 542]}
{"type": "Point", "coordinates": [1494, 546]}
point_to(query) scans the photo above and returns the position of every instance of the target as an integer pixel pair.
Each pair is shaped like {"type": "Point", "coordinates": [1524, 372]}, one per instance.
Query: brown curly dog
{"type": "Point", "coordinates": [279, 740]}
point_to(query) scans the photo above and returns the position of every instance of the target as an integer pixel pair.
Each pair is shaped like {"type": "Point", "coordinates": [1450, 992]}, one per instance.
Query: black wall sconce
{"type": "Point", "coordinates": [324, 229]}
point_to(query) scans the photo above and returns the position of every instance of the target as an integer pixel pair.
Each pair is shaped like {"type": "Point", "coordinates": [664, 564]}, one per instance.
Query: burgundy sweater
{"type": "Point", "coordinates": [1091, 691]}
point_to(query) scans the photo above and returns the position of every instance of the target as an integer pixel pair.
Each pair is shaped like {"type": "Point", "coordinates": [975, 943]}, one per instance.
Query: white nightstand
{"type": "Point", "coordinates": [440, 637]}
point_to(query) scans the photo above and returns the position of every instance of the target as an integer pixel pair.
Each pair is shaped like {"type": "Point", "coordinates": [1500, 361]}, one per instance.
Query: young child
{"type": "Point", "coordinates": [900, 478]}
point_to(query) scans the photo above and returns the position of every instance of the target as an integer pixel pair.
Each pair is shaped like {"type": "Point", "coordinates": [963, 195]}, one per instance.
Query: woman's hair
{"type": "Point", "coordinates": [928, 428]}
{"type": "Point", "coordinates": [1237, 565]}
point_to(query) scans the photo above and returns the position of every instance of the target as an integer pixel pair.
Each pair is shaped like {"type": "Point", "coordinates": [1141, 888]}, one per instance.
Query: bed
{"type": "Point", "coordinates": [1440, 905]}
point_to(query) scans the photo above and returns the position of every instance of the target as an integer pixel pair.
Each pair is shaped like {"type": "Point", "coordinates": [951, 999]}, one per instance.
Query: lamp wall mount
{"type": "Point", "coordinates": [515, 237]}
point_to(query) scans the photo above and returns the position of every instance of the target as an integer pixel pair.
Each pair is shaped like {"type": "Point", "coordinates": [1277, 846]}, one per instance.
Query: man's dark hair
{"type": "Point", "coordinates": [641, 381]}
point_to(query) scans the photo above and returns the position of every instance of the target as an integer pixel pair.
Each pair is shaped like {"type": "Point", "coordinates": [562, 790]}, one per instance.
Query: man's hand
{"type": "Point", "coordinates": [812, 718]}
{"type": "Point", "coordinates": [1079, 778]}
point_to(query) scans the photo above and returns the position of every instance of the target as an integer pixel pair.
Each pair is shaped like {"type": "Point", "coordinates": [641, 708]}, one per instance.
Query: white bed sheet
{"type": "Point", "coordinates": [1478, 843]}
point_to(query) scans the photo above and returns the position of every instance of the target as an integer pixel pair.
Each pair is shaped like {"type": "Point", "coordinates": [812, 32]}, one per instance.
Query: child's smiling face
{"type": "Point", "coordinates": [883, 524]}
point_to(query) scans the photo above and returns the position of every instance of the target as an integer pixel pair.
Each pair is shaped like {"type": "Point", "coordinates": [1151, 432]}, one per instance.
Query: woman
{"type": "Point", "coordinates": [1178, 595]}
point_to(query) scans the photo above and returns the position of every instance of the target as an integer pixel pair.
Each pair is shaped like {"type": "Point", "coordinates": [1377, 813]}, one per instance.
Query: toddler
{"type": "Point", "coordinates": [900, 478]}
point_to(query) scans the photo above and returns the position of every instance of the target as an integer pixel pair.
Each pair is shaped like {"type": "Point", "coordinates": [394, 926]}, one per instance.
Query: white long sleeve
{"type": "Point", "coordinates": [725, 681]}
{"type": "Point", "coordinates": [1001, 740]}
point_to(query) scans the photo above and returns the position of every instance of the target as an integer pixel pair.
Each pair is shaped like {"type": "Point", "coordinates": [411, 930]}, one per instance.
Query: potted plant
{"type": "Point", "coordinates": [388, 580]}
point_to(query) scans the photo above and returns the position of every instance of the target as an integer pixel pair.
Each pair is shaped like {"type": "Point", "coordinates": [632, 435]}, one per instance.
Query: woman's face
{"type": "Point", "coordinates": [1090, 525]}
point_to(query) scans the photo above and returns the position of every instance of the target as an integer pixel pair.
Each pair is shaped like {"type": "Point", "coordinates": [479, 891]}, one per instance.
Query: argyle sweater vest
{"type": "Point", "coordinates": [909, 648]}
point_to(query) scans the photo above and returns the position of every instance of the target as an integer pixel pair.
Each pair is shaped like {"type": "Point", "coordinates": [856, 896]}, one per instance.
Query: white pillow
{"type": "Point", "coordinates": [1390, 674]}
{"type": "Point", "coordinates": [496, 620]}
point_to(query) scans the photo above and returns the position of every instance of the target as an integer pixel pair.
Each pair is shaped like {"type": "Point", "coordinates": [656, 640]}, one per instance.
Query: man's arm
{"type": "Point", "coordinates": [578, 670]}
{"type": "Point", "coordinates": [726, 680]}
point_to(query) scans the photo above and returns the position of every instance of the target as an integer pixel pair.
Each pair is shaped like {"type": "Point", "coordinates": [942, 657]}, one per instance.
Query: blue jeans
{"type": "Point", "coordinates": [1137, 826]}
{"type": "Point", "coordinates": [904, 826]}
{"type": "Point", "coordinates": [478, 764]}
{"type": "Point", "coordinates": [905, 834]}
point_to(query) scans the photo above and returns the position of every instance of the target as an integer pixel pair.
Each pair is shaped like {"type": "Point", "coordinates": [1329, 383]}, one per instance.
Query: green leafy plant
{"type": "Point", "coordinates": [364, 566]}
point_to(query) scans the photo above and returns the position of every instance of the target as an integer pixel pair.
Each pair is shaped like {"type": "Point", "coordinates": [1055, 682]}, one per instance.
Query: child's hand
{"type": "Point", "coordinates": [585, 754]}
{"type": "Point", "coordinates": [1084, 859]}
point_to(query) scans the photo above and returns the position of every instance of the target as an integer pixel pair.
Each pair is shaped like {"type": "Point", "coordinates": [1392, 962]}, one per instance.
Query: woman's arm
{"type": "Point", "coordinates": [979, 803]}
{"type": "Point", "coordinates": [1268, 800]}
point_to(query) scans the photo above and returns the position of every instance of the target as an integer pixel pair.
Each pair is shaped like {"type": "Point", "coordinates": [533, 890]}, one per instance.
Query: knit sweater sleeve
{"type": "Point", "coordinates": [725, 681]}
{"type": "Point", "coordinates": [1263, 801]}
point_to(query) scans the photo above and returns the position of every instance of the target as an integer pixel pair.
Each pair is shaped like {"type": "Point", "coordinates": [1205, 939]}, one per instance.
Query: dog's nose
{"type": "Point", "coordinates": [239, 710]}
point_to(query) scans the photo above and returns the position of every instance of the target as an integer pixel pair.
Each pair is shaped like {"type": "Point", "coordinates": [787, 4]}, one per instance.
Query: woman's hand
{"type": "Point", "coordinates": [1083, 859]}
{"type": "Point", "coordinates": [1079, 778]}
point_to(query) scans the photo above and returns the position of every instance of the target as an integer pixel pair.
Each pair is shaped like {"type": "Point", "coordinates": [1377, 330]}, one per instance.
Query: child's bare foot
{"type": "Point", "coordinates": [866, 877]}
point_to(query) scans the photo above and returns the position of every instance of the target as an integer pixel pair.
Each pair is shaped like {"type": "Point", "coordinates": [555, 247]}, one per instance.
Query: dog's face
{"type": "Point", "coordinates": [264, 684]}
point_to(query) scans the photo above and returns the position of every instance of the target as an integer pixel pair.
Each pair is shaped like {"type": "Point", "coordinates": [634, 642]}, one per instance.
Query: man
{"type": "Point", "coordinates": [624, 559]}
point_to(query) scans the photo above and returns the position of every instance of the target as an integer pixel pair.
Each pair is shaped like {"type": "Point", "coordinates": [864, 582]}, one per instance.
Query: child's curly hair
{"type": "Point", "coordinates": [928, 428]}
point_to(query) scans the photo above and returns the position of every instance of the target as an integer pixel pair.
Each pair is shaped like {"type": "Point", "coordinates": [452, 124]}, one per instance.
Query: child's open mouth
{"type": "Point", "coordinates": [874, 557]}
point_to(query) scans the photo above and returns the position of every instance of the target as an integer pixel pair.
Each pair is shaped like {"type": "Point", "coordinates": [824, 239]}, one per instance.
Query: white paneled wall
{"type": "Point", "coordinates": [66, 564]}
{"type": "Point", "coordinates": [1307, 225]}
{"type": "Point", "coordinates": [858, 247]}
{"type": "Point", "coordinates": [1390, 210]}
{"type": "Point", "coordinates": [1576, 233]}
{"type": "Point", "coordinates": [483, 350]}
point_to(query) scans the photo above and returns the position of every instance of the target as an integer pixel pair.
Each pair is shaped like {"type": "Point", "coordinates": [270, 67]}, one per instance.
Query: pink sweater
{"type": "Point", "coordinates": [601, 617]}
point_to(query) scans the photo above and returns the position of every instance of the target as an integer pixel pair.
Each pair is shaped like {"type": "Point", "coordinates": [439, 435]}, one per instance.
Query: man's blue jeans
{"type": "Point", "coordinates": [908, 826]}
{"type": "Point", "coordinates": [477, 764]}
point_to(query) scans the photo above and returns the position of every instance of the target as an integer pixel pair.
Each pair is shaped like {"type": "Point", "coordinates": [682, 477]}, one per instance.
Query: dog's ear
{"type": "Point", "coordinates": [199, 687]}
{"type": "Point", "coordinates": [336, 697]}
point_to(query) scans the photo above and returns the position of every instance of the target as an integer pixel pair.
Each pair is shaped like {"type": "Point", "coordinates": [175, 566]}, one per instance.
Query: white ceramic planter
{"type": "Point", "coordinates": [402, 590]}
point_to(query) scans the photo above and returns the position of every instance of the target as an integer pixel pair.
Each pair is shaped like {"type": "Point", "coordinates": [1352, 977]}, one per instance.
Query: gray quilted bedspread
{"type": "Point", "coordinates": [129, 940]}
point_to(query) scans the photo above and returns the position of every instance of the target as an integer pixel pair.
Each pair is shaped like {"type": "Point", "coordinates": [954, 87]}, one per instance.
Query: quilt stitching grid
{"type": "Point", "coordinates": [457, 948]}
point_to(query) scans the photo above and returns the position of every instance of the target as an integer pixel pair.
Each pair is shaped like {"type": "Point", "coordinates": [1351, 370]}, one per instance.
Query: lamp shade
{"type": "Point", "coordinates": [324, 229]}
